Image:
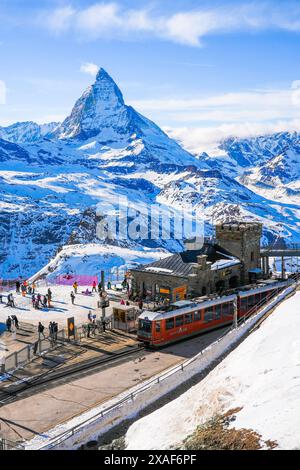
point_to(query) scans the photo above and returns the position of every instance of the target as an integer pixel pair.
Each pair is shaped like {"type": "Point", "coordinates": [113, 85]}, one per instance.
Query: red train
{"type": "Point", "coordinates": [188, 318]}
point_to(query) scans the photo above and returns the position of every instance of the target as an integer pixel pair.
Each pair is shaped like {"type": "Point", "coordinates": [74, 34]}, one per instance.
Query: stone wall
{"type": "Point", "coordinates": [243, 241]}
{"type": "Point", "coordinates": [203, 281]}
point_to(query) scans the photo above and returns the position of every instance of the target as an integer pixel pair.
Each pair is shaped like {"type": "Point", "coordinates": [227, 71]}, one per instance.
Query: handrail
{"type": "Point", "coordinates": [71, 432]}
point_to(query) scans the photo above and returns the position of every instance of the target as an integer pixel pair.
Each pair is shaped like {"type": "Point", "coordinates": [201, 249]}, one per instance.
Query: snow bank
{"type": "Point", "coordinates": [91, 259]}
{"type": "Point", "coordinates": [99, 420]}
{"type": "Point", "coordinates": [262, 376]}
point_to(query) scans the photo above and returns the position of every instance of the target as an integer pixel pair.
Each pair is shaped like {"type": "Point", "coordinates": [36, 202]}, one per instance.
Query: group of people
{"type": "Point", "coordinates": [42, 301]}
{"type": "Point", "coordinates": [53, 330]}
{"type": "Point", "coordinates": [10, 300]}
{"type": "Point", "coordinates": [12, 320]}
{"type": "Point", "coordinates": [25, 288]}
{"type": "Point", "coordinates": [95, 288]}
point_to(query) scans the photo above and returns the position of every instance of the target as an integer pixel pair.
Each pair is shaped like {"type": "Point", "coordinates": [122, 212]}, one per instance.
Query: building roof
{"type": "Point", "coordinates": [181, 264]}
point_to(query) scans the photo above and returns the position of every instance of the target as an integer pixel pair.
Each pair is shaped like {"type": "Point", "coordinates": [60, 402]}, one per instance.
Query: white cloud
{"type": "Point", "coordinates": [255, 105]}
{"type": "Point", "coordinates": [206, 139]}
{"type": "Point", "coordinates": [58, 20]}
{"type": "Point", "coordinates": [90, 68]}
{"type": "Point", "coordinates": [110, 19]}
{"type": "Point", "coordinates": [2, 92]}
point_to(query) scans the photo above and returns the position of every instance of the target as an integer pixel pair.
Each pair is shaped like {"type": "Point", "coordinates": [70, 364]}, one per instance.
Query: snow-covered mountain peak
{"type": "Point", "coordinates": [100, 108]}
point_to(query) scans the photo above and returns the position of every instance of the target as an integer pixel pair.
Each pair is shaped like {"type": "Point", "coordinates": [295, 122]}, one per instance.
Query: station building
{"type": "Point", "coordinates": [233, 259]}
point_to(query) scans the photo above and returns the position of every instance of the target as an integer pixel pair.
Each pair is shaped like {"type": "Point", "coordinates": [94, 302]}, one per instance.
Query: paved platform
{"type": "Point", "coordinates": [14, 342]}
{"type": "Point", "coordinates": [66, 354]}
{"type": "Point", "coordinates": [38, 413]}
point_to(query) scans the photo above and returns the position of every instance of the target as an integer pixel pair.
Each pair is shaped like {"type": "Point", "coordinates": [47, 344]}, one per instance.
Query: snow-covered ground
{"type": "Point", "coordinates": [59, 312]}
{"type": "Point", "coordinates": [90, 259]}
{"type": "Point", "coordinates": [262, 376]}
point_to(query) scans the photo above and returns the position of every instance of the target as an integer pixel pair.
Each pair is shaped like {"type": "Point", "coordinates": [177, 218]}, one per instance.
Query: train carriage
{"type": "Point", "coordinates": [188, 318]}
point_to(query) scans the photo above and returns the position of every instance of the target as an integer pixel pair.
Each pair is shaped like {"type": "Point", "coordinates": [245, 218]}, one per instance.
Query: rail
{"type": "Point", "coordinates": [67, 434]}
{"type": "Point", "coordinates": [6, 444]}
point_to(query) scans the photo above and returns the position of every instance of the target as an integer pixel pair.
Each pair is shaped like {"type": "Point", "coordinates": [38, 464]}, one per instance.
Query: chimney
{"type": "Point", "coordinates": [201, 261]}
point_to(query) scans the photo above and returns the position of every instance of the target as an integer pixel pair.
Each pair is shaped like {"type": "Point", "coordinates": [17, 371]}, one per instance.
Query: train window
{"type": "Point", "coordinates": [179, 320]}
{"type": "Point", "coordinates": [218, 311]}
{"type": "Point", "coordinates": [251, 301]}
{"type": "Point", "coordinates": [230, 309]}
{"type": "Point", "coordinates": [188, 318]}
{"type": "Point", "coordinates": [197, 316]}
{"type": "Point", "coordinates": [244, 304]}
{"type": "Point", "coordinates": [169, 323]}
{"type": "Point", "coordinates": [145, 325]}
{"type": "Point", "coordinates": [208, 314]}
{"type": "Point", "coordinates": [157, 326]}
{"type": "Point", "coordinates": [225, 309]}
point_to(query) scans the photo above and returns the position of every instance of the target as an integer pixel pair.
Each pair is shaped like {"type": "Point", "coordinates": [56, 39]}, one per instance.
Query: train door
{"type": "Point", "coordinates": [157, 331]}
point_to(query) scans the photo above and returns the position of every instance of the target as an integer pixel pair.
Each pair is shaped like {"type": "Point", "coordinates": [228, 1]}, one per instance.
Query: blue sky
{"type": "Point", "coordinates": [197, 68]}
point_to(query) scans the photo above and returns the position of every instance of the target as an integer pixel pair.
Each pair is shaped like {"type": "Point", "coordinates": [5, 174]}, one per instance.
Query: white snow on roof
{"type": "Point", "coordinates": [262, 375]}
{"type": "Point", "coordinates": [224, 263]}
{"type": "Point", "coordinates": [158, 269]}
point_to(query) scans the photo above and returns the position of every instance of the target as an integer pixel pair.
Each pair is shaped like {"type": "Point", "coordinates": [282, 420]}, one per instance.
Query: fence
{"type": "Point", "coordinates": [6, 444]}
{"type": "Point", "coordinates": [113, 275]}
{"type": "Point", "coordinates": [41, 345]}
{"type": "Point", "coordinates": [28, 353]}
{"type": "Point", "coordinates": [210, 354]}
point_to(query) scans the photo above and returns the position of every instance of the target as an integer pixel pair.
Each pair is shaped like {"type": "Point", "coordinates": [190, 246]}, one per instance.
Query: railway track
{"type": "Point", "coordinates": [18, 391]}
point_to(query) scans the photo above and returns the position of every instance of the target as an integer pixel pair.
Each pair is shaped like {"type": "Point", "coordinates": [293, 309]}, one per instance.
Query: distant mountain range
{"type": "Point", "coordinates": [53, 176]}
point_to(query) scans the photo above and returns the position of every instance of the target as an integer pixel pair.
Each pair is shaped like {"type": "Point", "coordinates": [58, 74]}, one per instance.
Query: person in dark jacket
{"type": "Point", "coordinates": [8, 324]}
{"type": "Point", "coordinates": [41, 329]}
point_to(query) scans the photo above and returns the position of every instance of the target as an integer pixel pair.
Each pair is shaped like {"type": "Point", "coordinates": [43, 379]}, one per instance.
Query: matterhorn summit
{"type": "Point", "coordinates": [100, 109]}
{"type": "Point", "coordinates": [101, 117]}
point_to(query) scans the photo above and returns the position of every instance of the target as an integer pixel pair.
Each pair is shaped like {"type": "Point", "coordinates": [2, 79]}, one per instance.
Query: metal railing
{"type": "Point", "coordinates": [6, 444]}
{"type": "Point", "coordinates": [281, 246]}
{"type": "Point", "coordinates": [179, 368]}
{"type": "Point", "coordinates": [30, 352]}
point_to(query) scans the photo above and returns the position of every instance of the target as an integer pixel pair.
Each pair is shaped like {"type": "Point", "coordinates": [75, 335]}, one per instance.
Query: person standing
{"type": "Point", "coordinates": [72, 295]}
{"type": "Point", "coordinates": [94, 287]}
{"type": "Point", "coordinates": [51, 331]}
{"type": "Point", "coordinates": [75, 287]}
{"type": "Point", "coordinates": [41, 330]}
{"type": "Point", "coordinates": [16, 322]}
{"type": "Point", "coordinates": [55, 330]}
{"type": "Point", "coordinates": [8, 324]}
{"type": "Point", "coordinates": [18, 285]}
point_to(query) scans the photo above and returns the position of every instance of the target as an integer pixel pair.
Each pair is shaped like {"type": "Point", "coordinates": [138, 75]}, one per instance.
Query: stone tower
{"type": "Point", "coordinates": [242, 239]}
